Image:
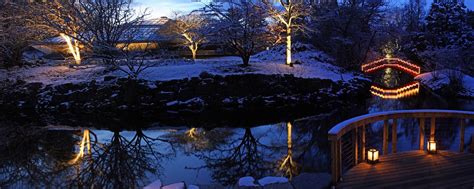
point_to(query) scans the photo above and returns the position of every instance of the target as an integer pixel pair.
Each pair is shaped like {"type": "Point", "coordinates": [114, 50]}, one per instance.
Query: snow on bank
{"type": "Point", "coordinates": [313, 64]}
{"type": "Point", "coordinates": [438, 79]}
{"type": "Point", "coordinates": [55, 75]}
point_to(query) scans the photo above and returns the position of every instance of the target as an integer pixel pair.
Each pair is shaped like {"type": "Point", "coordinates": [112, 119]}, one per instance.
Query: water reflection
{"type": "Point", "coordinates": [123, 162]}
{"type": "Point", "coordinates": [37, 159]}
{"type": "Point", "coordinates": [287, 165]}
{"type": "Point", "coordinates": [237, 157]}
{"type": "Point", "coordinates": [408, 90]}
{"type": "Point", "coordinates": [86, 158]}
{"type": "Point", "coordinates": [394, 84]}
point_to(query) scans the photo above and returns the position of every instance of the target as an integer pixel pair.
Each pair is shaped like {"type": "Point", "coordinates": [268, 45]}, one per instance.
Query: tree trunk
{"type": "Point", "coordinates": [245, 60]}
{"type": "Point", "coordinates": [288, 45]}
{"type": "Point", "coordinates": [194, 49]}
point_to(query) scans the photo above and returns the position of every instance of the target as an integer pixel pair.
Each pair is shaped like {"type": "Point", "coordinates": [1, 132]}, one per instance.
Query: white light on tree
{"type": "Point", "coordinates": [191, 28]}
{"type": "Point", "coordinates": [373, 156]}
{"type": "Point", "coordinates": [291, 11]}
{"type": "Point", "coordinates": [73, 46]}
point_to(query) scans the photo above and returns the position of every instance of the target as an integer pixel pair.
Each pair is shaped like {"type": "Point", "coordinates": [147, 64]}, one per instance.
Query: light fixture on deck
{"type": "Point", "coordinates": [432, 147]}
{"type": "Point", "coordinates": [373, 156]}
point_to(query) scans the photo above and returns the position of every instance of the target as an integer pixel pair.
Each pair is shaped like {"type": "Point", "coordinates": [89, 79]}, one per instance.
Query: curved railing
{"type": "Point", "coordinates": [357, 127]}
{"type": "Point", "coordinates": [391, 62]}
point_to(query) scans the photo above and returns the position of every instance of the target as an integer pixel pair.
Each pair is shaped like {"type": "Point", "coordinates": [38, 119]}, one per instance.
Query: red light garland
{"type": "Point", "coordinates": [385, 62]}
{"type": "Point", "coordinates": [402, 92]}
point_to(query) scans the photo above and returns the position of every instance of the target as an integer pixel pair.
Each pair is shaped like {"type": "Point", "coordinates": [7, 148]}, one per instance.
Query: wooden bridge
{"type": "Point", "coordinates": [397, 63]}
{"type": "Point", "coordinates": [412, 169]}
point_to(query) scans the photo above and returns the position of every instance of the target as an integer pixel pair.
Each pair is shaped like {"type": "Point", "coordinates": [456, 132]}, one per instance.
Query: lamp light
{"type": "Point", "coordinates": [373, 156]}
{"type": "Point", "coordinates": [431, 148]}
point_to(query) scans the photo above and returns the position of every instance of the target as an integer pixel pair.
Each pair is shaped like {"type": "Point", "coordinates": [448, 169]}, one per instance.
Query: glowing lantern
{"type": "Point", "coordinates": [373, 156]}
{"type": "Point", "coordinates": [432, 147]}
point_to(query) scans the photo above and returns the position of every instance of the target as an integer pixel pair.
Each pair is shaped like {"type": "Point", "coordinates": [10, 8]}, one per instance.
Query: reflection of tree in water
{"type": "Point", "coordinates": [287, 165]}
{"type": "Point", "coordinates": [199, 139]}
{"type": "Point", "coordinates": [237, 158]}
{"type": "Point", "coordinates": [32, 156]}
{"type": "Point", "coordinates": [122, 163]}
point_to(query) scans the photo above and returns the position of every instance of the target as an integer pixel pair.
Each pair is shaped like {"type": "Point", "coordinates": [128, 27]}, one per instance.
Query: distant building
{"type": "Point", "coordinates": [146, 36]}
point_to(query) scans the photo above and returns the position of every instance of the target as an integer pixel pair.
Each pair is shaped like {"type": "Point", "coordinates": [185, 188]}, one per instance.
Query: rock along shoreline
{"type": "Point", "coordinates": [204, 101]}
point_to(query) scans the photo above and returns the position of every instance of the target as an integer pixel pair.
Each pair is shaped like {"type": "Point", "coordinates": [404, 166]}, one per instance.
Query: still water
{"type": "Point", "coordinates": [64, 156]}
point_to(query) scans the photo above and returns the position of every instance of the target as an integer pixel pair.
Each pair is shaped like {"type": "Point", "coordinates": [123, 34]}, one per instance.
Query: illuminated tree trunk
{"type": "Point", "coordinates": [288, 45]}
{"type": "Point", "coordinates": [194, 49]}
{"type": "Point", "coordinates": [73, 46]}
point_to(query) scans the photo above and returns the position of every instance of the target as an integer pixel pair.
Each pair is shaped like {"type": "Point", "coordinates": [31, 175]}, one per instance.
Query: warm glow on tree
{"type": "Point", "coordinates": [192, 133]}
{"type": "Point", "coordinates": [190, 28]}
{"type": "Point", "coordinates": [73, 47]}
{"type": "Point", "coordinates": [288, 16]}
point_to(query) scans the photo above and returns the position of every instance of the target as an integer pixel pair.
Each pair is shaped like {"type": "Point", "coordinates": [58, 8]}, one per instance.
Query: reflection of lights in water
{"type": "Point", "coordinates": [402, 92]}
{"type": "Point", "coordinates": [392, 62]}
{"type": "Point", "coordinates": [287, 165]}
{"type": "Point", "coordinates": [85, 141]}
{"type": "Point", "coordinates": [389, 77]}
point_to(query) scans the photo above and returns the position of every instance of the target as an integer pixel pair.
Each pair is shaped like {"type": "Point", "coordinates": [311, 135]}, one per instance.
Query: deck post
{"type": "Point", "coordinates": [339, 159]}
{"type": "Point", "coordinates": [461, 142]}
{"type": "Point", "coordinates": [355, 145]}
{"type": "Point", "coordinates": [394, 135]}
{"type": "Point", "coordinates": [472, 144]}
{"type": "Point", "coordinates": [336, 167]}
{"type": "Point", "coordinates": [432, 128]}
{"type": "Point", "coordinates": [334, 162]}
{"type": "Point", "coordinates": [385, 138]}
{"type": "Point", "coordinates": [422, 134]}
{"type": "Point", "coordinates": [363, 143]}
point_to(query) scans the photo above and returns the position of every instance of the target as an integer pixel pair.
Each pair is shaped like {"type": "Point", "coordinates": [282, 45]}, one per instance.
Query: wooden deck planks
{"type": "Point", "coordinates": [414, 169]}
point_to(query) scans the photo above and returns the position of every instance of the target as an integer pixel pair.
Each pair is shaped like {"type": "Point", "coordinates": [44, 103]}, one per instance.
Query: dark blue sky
{"type": "Point", "coordinates": [159, 8]}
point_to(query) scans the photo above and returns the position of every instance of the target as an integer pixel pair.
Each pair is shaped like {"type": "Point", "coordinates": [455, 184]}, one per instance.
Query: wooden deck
{"type": "Point", "coordinates": [414, 169]}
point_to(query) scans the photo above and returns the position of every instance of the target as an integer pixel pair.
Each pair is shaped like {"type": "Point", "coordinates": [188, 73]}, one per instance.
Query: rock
{"type": "Point", "coordinates": [312, 180]}
{"type": "Point", "coordinates": [211, 186]}
{"type": "Point", "coordinates": [154, 185]}
{"type": "Point", "coordinates": [247, 182]}
{"type": "Point", "coordinates": [109, 78]}
{"type": "Point", "coordinates": [279, 186]}
{"type": "Point", "coordinates": [179, 185]}
{"type": "Point", "coordinates": [272, 180]}
{"type": "Point", "coordinates": [205, 75]}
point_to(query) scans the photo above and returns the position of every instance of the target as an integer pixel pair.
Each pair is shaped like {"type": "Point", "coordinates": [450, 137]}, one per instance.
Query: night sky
{"type": "Point", "coordinates": [158, 8]}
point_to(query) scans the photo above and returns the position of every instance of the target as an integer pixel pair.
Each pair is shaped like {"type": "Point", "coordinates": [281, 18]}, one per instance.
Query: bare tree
{"type": "Point", "coordinates": [289, 13]}
{"type": "Point", "coordinates": [190, 28]}
{"type": "Point", "coordinates": [105, 27]}
{"type": "Point", "coordinates": [18, 29]}
{"type": "Point", "coordinates": [240, 25]}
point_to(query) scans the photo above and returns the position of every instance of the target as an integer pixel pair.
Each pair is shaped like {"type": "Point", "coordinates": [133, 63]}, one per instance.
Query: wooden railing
{"type": "Point", "coordinates": [355, 129]}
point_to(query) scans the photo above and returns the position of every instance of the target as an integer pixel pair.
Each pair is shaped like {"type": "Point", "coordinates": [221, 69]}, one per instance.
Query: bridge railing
{"type": "Point", "coordinates": [355, 130]}
{"type": "Point", "coordinates": [392, 62]}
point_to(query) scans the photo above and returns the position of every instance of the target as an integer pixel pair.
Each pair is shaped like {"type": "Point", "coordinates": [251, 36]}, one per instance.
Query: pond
{"type": "Point", "coordinates": [65, 156]}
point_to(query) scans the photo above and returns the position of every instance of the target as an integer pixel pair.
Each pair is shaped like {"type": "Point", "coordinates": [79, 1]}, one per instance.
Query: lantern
{"type": "Point", "coordinates": [432, 147]}
{"type": "Point", "coordinates": [373, 156]}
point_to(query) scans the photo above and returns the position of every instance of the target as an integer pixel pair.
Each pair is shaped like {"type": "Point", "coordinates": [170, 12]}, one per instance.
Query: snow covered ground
{"type": "Point", "coordinates": [314, 64]}
{"type": "Point", "coordinates": [436, 80]}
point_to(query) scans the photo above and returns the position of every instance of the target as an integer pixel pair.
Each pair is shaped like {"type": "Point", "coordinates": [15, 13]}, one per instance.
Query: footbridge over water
{"type": "Point", "coordinates": [397, 63]}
